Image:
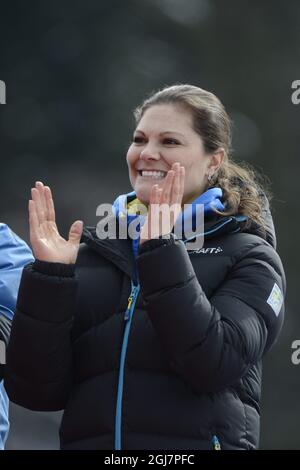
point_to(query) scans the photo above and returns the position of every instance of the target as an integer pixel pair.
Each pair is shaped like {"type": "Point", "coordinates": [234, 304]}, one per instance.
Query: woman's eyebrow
{"type": "Point", "coordinates": [171, 132]}
{"type": "Point", "coordinates": [162, 133]}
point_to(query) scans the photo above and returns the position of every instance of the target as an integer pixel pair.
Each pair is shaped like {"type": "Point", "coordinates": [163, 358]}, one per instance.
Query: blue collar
{"type": "Point", "coordinates": [208, 201]}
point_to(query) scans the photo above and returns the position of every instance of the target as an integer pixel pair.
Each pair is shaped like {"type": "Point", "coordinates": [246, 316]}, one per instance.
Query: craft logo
{"type": "Point", "coordinates": [2, 92]}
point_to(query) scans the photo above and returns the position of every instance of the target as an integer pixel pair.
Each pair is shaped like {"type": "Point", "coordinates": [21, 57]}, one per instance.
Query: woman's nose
{"type": "Point", "coordinates": [149, 153]}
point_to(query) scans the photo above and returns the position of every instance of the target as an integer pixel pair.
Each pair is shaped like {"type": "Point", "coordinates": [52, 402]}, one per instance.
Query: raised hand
{"type": "Point", "coordinates": [46, 242]}
{"type": "Point", "coordinates": [164, 205]}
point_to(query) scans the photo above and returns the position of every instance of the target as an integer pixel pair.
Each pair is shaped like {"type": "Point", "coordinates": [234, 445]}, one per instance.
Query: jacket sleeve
{"type": "Point", "coordinates": [14, 255]}
{"type": "Point", "coordinates": [39, 357]}
{"type": "Point", "coordinates": [212, 343]}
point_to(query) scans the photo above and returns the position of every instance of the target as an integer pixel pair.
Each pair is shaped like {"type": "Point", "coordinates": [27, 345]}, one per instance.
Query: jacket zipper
{"type": "Point", "coordinates": [239, 218]}
{"type": "Point", "coordinates": [216, 443]}
{"type": "Point", "coordinates": [209, 232]}
{"type": "Point", "coordinates": [128, 318]}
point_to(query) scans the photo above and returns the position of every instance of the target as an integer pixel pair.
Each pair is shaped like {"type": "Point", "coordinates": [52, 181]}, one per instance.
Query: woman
{"type": "Point", "coordinates": [144, 344]}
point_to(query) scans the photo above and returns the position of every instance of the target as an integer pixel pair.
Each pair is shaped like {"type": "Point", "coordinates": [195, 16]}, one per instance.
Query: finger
{"type": "Point", "coordinates": [153, 213]}
{"type": "Point", "coordinates": [162, 218]}
{"type": "Point", "coordinates": [182, 180]}
{"type": "Point", "coordinates": [145, 232]}
{"type": "Point", "coordinates": [49, 204]}
{"type": "Point", "coordinates": [151, 209]}
{"type": "Point", "coordinates": [152, 195]}
{"type": "Point", "coordinates": [41, 189]}
{"type": "Point", "coordinates": [167, 187]}
{"type": "Point", "coordinates": [175, 193]}
{"type": "Point", "coordinates": [159, 194]}
{"type": "Point", "coordinates": [36, 197]}
{"type": "Point", "coordinates": [76, 232]}
{"type": "Point", "coordinates": [155, 200]}
{"type": "Point", "coordinates": [33, 221]}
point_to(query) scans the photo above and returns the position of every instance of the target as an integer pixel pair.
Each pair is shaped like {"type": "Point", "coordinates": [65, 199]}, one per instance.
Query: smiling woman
{"type": "Point", "coordinates": [164, 136]}
{"type": "Point", "coordinates": [205, 140]}
{"type": "Point", "coordinates": [144, 343]}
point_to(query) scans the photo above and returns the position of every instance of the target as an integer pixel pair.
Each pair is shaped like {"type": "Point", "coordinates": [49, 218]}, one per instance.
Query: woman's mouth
{"type": "Point", "coordinates": [152, 174]}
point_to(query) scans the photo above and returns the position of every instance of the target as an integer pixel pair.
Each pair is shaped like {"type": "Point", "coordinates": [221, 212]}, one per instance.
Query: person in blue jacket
{"type": "Point", "coordinates": [14, 255]}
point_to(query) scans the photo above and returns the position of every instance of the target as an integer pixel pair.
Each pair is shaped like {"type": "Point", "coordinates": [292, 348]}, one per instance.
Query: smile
{"type": "Point", "coordinates": [152, 174]}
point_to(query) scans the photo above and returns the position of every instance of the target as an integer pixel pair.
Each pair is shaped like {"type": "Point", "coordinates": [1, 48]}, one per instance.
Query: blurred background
{"type": "Point", "coordinates": [75, 70]}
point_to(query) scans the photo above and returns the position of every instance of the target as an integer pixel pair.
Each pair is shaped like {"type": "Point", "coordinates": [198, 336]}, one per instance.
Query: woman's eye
{"type": "Point", "coordinates": [138, 140]}
{"type": "Point", "coordinates": [170, 141]}
{"type": "Point", "coordinates": [166, 141]}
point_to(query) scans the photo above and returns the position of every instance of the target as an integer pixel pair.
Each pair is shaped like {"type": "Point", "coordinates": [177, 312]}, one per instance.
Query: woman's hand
{"type": "Point", "coordinates": [46, 242]}
{"type": "Point", "coordinates": [164, 205]}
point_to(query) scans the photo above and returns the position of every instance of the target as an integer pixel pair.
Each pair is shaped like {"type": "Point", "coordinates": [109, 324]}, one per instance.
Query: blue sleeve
{"type": "Point", "coordinates": [14, 255]}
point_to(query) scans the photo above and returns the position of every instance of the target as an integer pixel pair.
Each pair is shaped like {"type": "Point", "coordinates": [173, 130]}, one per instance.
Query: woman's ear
{"type": "Point", "coordinates": [216, 160]}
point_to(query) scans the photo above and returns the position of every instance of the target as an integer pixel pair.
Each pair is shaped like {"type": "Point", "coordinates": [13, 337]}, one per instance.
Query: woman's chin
{"type": "Point", "coordinates": [143, 195]}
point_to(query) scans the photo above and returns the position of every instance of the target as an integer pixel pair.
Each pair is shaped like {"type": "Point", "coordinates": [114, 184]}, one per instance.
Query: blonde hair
{"type": "Point", "coordinates": [242, 188]}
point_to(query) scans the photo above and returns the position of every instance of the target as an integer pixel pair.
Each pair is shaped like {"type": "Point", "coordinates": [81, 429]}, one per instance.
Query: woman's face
{"type": "Point", "coordinates": [164, 136]}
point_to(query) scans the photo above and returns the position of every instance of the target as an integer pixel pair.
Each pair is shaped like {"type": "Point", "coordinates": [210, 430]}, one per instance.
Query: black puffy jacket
{"type": "Point", "coordinates": [174, 366]}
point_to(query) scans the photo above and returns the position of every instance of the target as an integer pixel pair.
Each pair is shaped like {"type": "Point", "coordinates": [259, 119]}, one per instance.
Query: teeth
{"type": "Point", "coordinates": [153, 174]}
